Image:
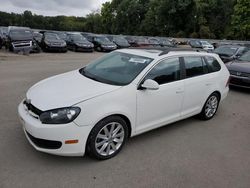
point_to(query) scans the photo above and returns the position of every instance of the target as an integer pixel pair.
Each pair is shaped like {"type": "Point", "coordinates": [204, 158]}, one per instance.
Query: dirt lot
{"type": "Point", "coordinates": [190, 153]}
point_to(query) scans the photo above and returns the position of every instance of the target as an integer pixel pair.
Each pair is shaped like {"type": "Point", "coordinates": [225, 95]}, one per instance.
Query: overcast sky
{"type": "Point", "coordinates": [52, 7]}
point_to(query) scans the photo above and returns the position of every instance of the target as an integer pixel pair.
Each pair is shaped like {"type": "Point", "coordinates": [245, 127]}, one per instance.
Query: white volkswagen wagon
{"type": "Point", "coordinates": [97, 108]}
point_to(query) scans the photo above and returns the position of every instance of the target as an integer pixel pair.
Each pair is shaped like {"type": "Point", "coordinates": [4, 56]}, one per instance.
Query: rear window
{"type": "Point", "coordinates": [213, 64]}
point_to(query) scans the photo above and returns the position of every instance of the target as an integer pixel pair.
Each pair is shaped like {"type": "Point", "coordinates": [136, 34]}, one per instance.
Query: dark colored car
{"type": "Point", "coordinates": [3, 31]}
{"type": "Point", "coordinates": [240, 71]}
{"type": "Point", "coordinates": [19, 39]}
{"type": "Point", "coordinates": [141, 42]}
{"type": "Point", "coordinates": [120, 41]}
{"type": "Point", "coordinates": [77, 42]}
{"type": "Point", "coordinates": [165, 42]}
{"type": "Point", "coordinates": [101, 43]}
{"type": "Point", "coordinates": [230, 52]}
{"type": "Point", "coordinates": [38, 37]}
{"type": "Point", "coordinates": [131, 40]}
{"type": "Point", "coordinates": [1, 39]}
{"type": "Point", "coordinates": [195, 44]}
{"type": "Point", "coordinates": [61, 35]}
{"type": "Point", "coordinates": [154, 42]}
{"type": "Point", "coordinates": [52, 42]}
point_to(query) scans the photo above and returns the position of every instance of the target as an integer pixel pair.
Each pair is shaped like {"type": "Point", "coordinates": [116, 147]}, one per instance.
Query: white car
{"type": "Point", "coordinates": [127, 92]}
{"type": "Point", "coordinates": [206, 45]}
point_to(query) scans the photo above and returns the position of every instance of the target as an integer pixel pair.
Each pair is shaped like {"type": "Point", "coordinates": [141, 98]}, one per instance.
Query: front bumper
{"type": "Point", "coordinates": [51, 138]}
{"type": "Point", "coordinates": [56, 48]}
{"type": "Point", "coordinates": [239, 81]}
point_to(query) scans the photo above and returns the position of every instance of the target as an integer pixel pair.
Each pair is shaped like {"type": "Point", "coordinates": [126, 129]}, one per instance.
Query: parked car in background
{"type": "Point", "coordinates": [38, 37]}
{"type": "Point", "coordinates": [77, 42]}
{"type": "Point", "coordinates": [206, 45]}
{"type": "Point", "coordinates": [62, 35]}
{"type": "Point", "coordinates": [165, 42]}
{"type": "Point", "coordinates": [195, 43]}
{"type": "Point", "coordinates": [120, 41]}
{"type": "Point", "coordinates": [141, 42]}
{"type": "Point", "coordinates": [240, 71]}
{"type": "Point", "coordinates": [4, 31]}
{"type": "Point", "coordinates": [51, 42]}
{"type": "Point", "coordinates": [102, 43]}
{"type": "Point", "coordinates": [127, 92]}
{"type": "Point", "coordinates": [131, 40]}
{"type": "Point", "coordinates": [19, 39]}
{"type": "Point", "coordinates": [153, 41]}
{"type": "Point", "coordinates": [1, 39]}
{"type": "Point", "coordinates": [230, 52]}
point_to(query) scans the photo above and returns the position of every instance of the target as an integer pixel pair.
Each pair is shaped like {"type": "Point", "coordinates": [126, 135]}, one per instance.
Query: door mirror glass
{"type": "Point", "coordinates": [150, 85]}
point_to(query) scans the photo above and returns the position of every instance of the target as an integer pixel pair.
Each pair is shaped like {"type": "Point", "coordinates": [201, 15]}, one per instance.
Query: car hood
{"type": "Point", "coordinates": [241, 66]}
{"type": "Point", "coordinates": [65, 90]}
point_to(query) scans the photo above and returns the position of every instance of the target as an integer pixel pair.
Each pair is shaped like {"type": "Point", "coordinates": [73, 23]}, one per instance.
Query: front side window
{"type": "Point", "coordinates": [165, 71]}
{"type": "Point", "coordinates": [195, 66]}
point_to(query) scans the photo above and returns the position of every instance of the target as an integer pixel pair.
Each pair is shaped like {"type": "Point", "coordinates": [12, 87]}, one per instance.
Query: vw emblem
{"type": "Point", "coordinates": [238, 73]}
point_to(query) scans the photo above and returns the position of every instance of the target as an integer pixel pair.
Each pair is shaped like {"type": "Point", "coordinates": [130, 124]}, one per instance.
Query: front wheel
{"type": "Point", "coordinates": [210, 107]}
{"type": "Point", "coordinates": [107, 138]}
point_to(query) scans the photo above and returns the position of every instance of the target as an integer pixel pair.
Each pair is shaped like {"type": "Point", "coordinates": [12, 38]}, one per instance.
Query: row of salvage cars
{"type": "Point", "coordinates": [236, 57]}
{"type": "Point", "coordinates": [25, 39]}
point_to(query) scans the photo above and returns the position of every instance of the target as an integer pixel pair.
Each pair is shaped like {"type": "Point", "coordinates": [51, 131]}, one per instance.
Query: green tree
{"type": "Point", "coordinates": [241, 19]}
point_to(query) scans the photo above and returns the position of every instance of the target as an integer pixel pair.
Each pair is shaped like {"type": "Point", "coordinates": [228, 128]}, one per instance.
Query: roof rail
{"type": "Point", "coordinates": [166, 50]}
{"type": "Point", "coordinates": [181, 49]}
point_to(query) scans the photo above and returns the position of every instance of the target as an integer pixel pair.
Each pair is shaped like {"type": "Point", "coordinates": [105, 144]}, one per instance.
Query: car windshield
{"type": "Point", "coordinates": [51, 36]}
{"type": "Point", "coordinates": [21, 33]}
{"type": "Point", "coordinates": [102, 39]}
{"type": "Point", "coordinates": [120, 39]}
{"type": "Point", "coordinates": [204, 43]}
{"type": "Point", "coordinates": [116, 68]}
{"type": "Point", "coordinates": [245, 57]}
{"type": "Point", "coordinates": [78, 38]}
{"type": "Point", "coordinates": [226, 50]}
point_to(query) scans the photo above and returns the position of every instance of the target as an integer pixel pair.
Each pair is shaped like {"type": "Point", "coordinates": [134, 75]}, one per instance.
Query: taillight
{"type": "Point", "coordinates": [228, 81]}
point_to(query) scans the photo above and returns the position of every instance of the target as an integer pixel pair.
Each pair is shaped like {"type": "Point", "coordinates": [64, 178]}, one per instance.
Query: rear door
{"type": "Point", "coordinates": [197, 85]}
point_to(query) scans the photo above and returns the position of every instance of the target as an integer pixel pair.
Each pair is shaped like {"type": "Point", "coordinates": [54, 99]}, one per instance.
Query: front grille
{"type": "Point", "coordinates": [238, 73]}
{"type": "Point", "coordinates": [32, 108]}
{"type": "Point", "coordinates": [46, 144]}
{"type": "Point", "coordinates": [22, 44]}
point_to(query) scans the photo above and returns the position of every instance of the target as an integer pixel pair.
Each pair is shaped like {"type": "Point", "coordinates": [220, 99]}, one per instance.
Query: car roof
{"type": "Point", "coordinates": [161, 53]}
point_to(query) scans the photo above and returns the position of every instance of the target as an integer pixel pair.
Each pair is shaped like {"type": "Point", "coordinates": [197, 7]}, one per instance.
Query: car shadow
{"type": "Point", "coordinates": [240, 89]}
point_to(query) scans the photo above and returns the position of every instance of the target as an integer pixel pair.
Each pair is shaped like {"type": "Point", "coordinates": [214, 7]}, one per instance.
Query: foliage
{"type": "Point", "coordinates": [179, 18]}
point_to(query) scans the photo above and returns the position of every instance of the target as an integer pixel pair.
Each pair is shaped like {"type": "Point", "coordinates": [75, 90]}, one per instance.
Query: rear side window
{"type": "Point", "coordinates": [165, 71]}
{"type": "Point", "coordinates": [195, 66]}
{"type": "Point", "coordinates": [213, 64]}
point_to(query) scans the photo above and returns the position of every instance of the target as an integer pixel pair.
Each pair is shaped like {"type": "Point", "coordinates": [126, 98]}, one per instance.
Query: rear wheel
{"type": "Point", "coordinates": [107, 138]}
{"type": "Point", "coordinates": [210, 107]}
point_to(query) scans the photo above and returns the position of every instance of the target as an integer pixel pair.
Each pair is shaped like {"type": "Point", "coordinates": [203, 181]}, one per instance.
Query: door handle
{"type": "Point", "coordinates": [208, 84]}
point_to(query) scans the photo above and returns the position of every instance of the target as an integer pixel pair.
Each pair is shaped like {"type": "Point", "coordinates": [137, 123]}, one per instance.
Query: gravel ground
{"type": "Point", "coordinates": [190, 153]}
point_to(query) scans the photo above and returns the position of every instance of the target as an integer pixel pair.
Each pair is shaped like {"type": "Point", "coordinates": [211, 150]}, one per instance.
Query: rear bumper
{"type": "Point", "coordinates": [238, 81]}
{"type": "Point", "coordinates": [56, 48]}
{"type": "Point", "coordinates": [51, 138]}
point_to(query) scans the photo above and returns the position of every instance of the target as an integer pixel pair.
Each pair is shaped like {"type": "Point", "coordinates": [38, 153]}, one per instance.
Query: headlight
{"type": "Point", "coordinates": [60, 116]}
{"type": "Point", "coordinates": [63, 44]}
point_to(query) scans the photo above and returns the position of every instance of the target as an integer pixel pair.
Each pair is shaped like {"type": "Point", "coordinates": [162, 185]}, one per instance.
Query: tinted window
{"type": "Point", "coordinates": [195, 66]}
{"type": "Point", "coordinates": [213, 64]}
{"type": "Point", "coordinates": [166, 71]}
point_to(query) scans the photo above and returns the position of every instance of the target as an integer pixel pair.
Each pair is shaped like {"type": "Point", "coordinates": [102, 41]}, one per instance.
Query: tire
{"type": "Point", "coordinates": [107, 138]}
{"type": "Point", "coordinates": [210, 107]}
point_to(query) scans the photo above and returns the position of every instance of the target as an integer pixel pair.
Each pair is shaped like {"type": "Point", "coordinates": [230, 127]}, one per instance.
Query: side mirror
{"type": "Point", "coordinates": [150, 84]}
